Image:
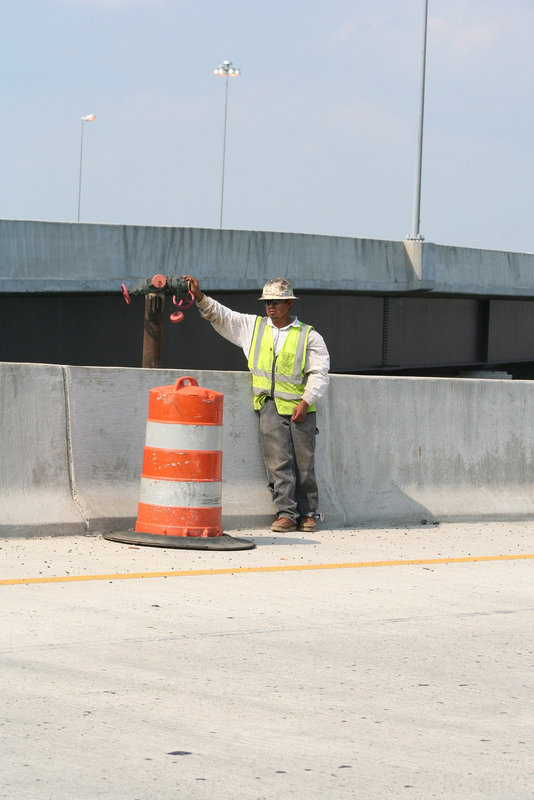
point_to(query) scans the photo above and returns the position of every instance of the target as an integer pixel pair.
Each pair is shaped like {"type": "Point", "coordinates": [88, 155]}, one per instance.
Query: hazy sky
{"type": "Point", "coordinates": [322, 123]}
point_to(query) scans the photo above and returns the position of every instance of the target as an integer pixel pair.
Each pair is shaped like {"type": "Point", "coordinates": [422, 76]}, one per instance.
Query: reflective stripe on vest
{"type": "Point", "coordinates": [281, 377]}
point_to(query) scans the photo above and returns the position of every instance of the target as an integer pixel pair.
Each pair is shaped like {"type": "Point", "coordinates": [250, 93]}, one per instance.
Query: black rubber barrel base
{"type": "Point", "coordinates": [223, 542]}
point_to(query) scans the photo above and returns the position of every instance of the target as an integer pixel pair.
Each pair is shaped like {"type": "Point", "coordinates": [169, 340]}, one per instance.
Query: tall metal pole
{"type": "Point", "coordinates": [223, 151]}
{"type": "Point", "coordinates": [226, 70]}
{"type": "Point", "coordinates": [80, 175]}
{"type": "Point", "coordinates": [415, 234]}
{"type": "Point", "coordinates": [87, 118]}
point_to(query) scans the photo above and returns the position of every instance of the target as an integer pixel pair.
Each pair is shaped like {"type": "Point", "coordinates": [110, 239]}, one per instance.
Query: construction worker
{"type": "Point", "coordinates": [289, 363]}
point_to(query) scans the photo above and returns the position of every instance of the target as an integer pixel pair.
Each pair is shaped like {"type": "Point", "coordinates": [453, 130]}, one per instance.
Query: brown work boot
{"type": "Point", "coordinates": [283, 525]}
{"type": "Point", "coordinates": [306, 524]}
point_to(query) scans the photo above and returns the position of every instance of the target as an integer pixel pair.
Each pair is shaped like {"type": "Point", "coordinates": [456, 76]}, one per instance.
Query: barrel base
{"type": "Point", "coordinates": [223, 542]}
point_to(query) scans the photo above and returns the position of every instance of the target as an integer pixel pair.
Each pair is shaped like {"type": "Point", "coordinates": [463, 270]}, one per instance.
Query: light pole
{"type": "Point", "coordinates": [226, 70]}
{"type": "Point", "coordinates": [88, 118]}
{"type": "Point", "coordinates": [415, 234]}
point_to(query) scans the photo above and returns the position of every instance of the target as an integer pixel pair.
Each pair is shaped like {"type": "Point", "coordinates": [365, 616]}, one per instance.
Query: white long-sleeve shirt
{"type": "Point", "coordinates": [239, 328]}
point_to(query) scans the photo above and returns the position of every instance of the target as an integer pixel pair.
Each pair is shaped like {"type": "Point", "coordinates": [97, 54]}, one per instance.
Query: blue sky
{"type": "Point", "coordinates": [322, 122]}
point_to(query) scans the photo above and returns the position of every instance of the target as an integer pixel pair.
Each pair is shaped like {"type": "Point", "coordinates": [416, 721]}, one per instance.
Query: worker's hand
{"type": "Point", "coordinates": [300, 412]}
{"type": "Point", "coordinates": [194, 288]}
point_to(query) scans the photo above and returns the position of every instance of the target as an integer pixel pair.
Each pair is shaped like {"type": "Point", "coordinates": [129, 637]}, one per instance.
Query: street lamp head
{"type": "Point", "coordinates": [89, 118]}
{"type": "Point", "coordinates": [227, 69]}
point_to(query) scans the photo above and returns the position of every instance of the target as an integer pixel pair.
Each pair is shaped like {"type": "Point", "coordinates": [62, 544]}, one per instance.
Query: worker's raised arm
{"type": "Point", "coordinates": [232, 325]}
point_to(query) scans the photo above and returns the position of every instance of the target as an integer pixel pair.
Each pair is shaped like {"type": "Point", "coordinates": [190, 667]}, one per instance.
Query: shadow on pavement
{"type": "Point", "coordinates": [265, 540]}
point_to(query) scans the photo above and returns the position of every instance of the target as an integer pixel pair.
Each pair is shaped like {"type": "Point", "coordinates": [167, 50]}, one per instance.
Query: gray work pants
{"type": "Point", "coordinates": [289, 455]}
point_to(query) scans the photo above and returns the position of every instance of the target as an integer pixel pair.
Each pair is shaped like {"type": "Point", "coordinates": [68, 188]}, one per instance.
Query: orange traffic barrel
{"type": "Point", "coordinates": [181, 479]}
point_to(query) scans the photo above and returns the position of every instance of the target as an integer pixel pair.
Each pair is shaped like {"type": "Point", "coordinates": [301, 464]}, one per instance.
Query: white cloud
{"type": "Point", "coordinates": [465, 38]}
{"type": "Point", "coordinates": [475, 29]}
{"type": "Point", "coordinates": [351, 29]}
{"type": "Point", "coordinates": [360, 26]}
{"type": "Point", "coordinates": [115, 3]}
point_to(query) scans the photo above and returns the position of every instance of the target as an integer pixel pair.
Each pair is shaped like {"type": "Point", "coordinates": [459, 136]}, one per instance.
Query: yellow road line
{"type": "Point", "coordinates": [281, 568]}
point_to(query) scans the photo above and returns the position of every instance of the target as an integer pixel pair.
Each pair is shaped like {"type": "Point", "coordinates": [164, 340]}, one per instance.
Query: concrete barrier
{"type": "Point", "coordinates": [36, 496]}
{"type": "Point", "coordinates": [402, 450]}
{"type": "Point", "coordinates": [390, 450]}
{"type": "Point", "coordinates": [109, 411]}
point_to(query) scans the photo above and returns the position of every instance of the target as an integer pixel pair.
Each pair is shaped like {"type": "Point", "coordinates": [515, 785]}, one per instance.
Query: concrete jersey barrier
{"type": "Point", "coordinates": [403, 450]}
{"type": "Point", "coordinates": [36, 494]}
{"type": "Point", "coordinates": [109, 412]}
{"type": "Point", "coordinates": [390, 450]}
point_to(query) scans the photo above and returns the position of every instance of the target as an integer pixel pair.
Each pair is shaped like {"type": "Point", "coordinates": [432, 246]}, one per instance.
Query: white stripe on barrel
{"type": "Point", "coordinates": [183, 437]}
{"type": "Point", "coordinates": [180, 494]}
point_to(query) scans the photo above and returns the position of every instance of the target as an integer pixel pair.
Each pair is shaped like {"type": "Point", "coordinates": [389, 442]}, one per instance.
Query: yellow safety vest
{"type": "Point", "coordinates": [281, 377]}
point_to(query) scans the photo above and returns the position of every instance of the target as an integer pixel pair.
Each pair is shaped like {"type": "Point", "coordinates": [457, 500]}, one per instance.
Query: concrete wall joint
{"type": "Point", "coordinates": [70, 459]}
